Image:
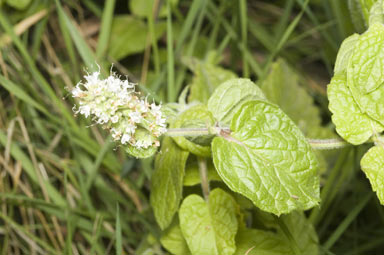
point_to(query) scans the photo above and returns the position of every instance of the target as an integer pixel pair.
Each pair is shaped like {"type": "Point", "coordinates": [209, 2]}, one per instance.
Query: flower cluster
{"type": "Point", "coordinates": [116, 105]}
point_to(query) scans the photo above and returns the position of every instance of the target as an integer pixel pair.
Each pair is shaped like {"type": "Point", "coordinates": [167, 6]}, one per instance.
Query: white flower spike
{"type": "Point", "coordinates": [114, 103]}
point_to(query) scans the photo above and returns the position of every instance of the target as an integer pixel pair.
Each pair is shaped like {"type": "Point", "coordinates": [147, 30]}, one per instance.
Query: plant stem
{"type": "Point", "coordinates": [317, 144]}
{"type": "Point", "coordinates": [187, 132]}
{"type": "Point", "coordinates": [204, 177]}
{"type": "Point", "coordinates": [327, 144]}
{"type": "Point", "coordinates": [193, 131]}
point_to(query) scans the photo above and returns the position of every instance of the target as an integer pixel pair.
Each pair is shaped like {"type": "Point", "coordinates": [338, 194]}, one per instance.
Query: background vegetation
{"type": "Point", "coordinates": [68, 189]}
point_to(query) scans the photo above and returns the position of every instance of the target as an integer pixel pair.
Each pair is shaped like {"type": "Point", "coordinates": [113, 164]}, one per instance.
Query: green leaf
{"type": "Point", "coordinates": [129, 36]}
{"type": "Point", "coordinates": [371, 104]}
{"type": "Point", "coordinates": [173, 240]}
{"type": "Point", "coordinates": [366, 69]}
{"type": "Point", "coordinates": [367, 55]}
{"type": "Point", "coordinates": [376, 14]}
{"type": "Point", "coordinates": [199, 116]}
{"type": "Point", "coordinates": [281, 87]}
{"type": "Point", "coordinates": [345, 52]}
{"type": "Point", "coordinates": [144, 8]}
{"type": "Point", "coordinates": [302, 236]}
{"type": "Point", "coordinates": [206, 79]}
{"type": "Point", "coordinates": [259, 242]}
{"type": "Point", "coordinates": [302, 232]}
{"type": "Point", "coordinates": [192, 174]}
{"type": "Point", "coordinates": [351, 123]}
{"type": "Point", "coordinates": [209, 227]}
{"type": "Point", "coordinates": [18, 4]}
{"type": "Point", "coordinates": [268, 160]}
{"type": "Point", "coordinates": [167, 182]}
{"type": "Point", "coordinates": [372, 165]}
{"type": "Point", "coordinates": [228, 98]}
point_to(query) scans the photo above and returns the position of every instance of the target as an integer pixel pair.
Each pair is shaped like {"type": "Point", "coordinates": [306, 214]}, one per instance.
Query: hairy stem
{"type": "Point", "coordinates": [204, 177]}
{"type": "Point", "coordinates": [327, 144]}
{"type": "Point", "coordinates": [192, 131]}
{"type": "Point", "coordinates": [187, 132]}
{"type": "Point", "coordinates": [317, 144]}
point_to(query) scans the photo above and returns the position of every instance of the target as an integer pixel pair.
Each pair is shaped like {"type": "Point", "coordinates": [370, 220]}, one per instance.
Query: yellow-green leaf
{"type": "Point", "coordinates": [173, 240]}
{"type": "Point", "coordinates": [351, 123]}
{"type": "Point", "coordinates": [372, 165]}
{"type": "Point", "coordinates": [228, 98]}
{"type": "Point", "coordinates": [167, 182]}
{"type": "Point", "coordinates": [209, 227]}
{"type": "Point", "coordinates": [267, 159]}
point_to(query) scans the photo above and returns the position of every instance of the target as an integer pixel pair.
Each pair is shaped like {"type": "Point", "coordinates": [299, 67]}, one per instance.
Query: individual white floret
{"type": "Point", "coordinates": [125, 139]}
{"type": "Point", "coordinates": [85, 110]}
{"type": "Point", "coordinates": [115, 119]}
{"type": "Point", "coordinates": [77, 91]}
{"type": "Point", "coordinates": [135, 117]}
{"type": "Point", "coordinates": [92, 79]}
{"type": "Point", "coordinates": [130, 128]}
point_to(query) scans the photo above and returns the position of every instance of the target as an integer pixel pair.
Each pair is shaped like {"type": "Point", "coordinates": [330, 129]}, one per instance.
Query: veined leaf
{"type": "Point", "coordinates": [199, 116]}
{"type": "Point", "coordinates": [260, 242]}
{"type": "Point", "coordinates": [282, 88]}
{"type": "Point", "coordinates": [372, 165]}
{"type": "Point", "coordinates": [167, 182]}
{"type": "Point", "coordinates": [173, 240]}
{"type": "Point", "coordinates": [376, 14]}
{"type": "Point", "coordinates": [366, 84]}
{"type": "Point", "coordinates": [345, 52]}
{"type": "Point", "coordinates": [207, 77]}
{"type": "Point", "coordinates": [365, 71]}
{"type": "Point", "coordinates": [268, 160]}
{"type": "Point", "coordinates": [302, 231]}
{"type": "Point", "coordinates": [303, 237]}
{"type": "Point", "coordinates": [209, 227]}
{"type": "Point", "coordinates": [351, 123]}
{"type": "Point", "coordinates": [371, 103]}
{"type": "Point", "coordinates": [228, 98]}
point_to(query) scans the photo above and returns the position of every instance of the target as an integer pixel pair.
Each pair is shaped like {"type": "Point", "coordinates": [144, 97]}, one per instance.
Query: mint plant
{"type": "Point", "coordinates": [253, 148]}
{"type": "Point", "coordinates": [249, 147]}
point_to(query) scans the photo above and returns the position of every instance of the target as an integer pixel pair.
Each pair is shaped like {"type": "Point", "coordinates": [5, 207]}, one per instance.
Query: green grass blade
{"type": "Point", "coordinates": [19, 93]}
{"type": "Point", "coordinates": [171, 92]}
{"type": "Point", "coordinates": [92, 172]}
{"type": "Point", "coordinates": [82, 47]}
{"type": "Point", "coordinates": [244, 34]}
{"type": "Point", "coordinates": [106, 22]}
{"type": "Point", "coordinates": [283, 39]}
{"type": "Point", "coordinates": [21, 230]}
{"type": "Point", "coordinates": [41, 81]}
{"type": "Point", "coordinates": [347, 221]}
{"type": "Point", "coordinates": [119, 246]}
